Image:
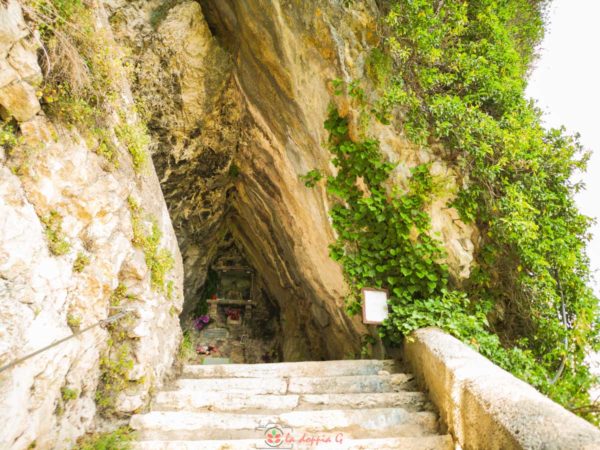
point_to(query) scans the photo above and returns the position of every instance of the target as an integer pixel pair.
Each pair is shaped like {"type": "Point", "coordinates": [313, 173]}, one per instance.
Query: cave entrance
{"type": "Point", "coordinates": [233, 319]}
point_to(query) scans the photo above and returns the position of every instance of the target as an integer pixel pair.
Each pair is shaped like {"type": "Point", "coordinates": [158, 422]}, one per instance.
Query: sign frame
{"type": "Point", "coordinates": [364, 301]}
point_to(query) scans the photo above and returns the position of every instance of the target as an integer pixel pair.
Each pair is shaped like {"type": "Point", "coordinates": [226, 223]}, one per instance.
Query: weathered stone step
{"type": "Point", "coordinates": [383, 422]}
{"type": "Point", "coordinates": [292, 369]}
{"type": "Point", "coordinates": [407, 443]}
{"type": "Point", "coordinates": [299, 385]}
{"type": "Point", "coordinates": [197, 401]}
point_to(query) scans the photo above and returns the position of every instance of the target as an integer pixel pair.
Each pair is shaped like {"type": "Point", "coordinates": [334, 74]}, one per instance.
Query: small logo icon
{"type": "Point", "coordinates": [276, 436]}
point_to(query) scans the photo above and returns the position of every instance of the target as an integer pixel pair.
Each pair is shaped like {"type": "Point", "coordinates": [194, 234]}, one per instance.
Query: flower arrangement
{"type": "Point", "coordinates": [201, 321]}
{"type": "Point", "coordinates": [233, 313]}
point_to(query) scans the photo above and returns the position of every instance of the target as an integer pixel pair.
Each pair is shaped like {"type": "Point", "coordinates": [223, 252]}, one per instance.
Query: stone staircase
{"type": "Point", "coordinates": [366, 405]}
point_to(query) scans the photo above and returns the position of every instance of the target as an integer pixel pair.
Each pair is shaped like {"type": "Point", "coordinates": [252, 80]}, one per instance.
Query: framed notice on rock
{"type": "Point", "coordinates": [374, 305]}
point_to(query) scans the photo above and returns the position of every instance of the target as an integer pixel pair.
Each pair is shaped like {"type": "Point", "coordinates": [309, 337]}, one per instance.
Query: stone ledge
{"type": "Point", "coordinates": [487, 408]}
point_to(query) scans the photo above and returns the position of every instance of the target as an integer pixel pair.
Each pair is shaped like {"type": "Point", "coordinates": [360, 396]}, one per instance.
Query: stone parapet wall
{"type": "Point", "coordinates": [487, 408]}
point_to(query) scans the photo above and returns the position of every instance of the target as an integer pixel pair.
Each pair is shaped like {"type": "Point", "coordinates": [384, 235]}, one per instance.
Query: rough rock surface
{"type": "Point", "coordinates": [42, 295]}
{"type": "Point", "coordinates": [237, 93]}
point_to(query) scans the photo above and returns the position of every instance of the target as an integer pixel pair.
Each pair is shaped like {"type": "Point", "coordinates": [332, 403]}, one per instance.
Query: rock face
{"type": "Point", "coordinates": [237, 92]}
{"type": "Point", "coordinates": [65, 246]}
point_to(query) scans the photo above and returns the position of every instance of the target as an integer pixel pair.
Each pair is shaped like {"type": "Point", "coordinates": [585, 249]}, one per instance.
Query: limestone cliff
{"type": "Point", "coordinates": [234, 93]}
{"type": "Point", "coordinates": [65, 247]}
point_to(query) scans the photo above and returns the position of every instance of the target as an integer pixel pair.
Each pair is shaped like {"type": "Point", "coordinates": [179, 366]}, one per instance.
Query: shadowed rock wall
{"type": "Point", "coordinates": [53, 174]}
{"type": "Point", "coordinates": [236, 93]}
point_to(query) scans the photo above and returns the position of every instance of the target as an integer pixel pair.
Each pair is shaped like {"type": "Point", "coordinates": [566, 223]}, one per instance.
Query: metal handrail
{"type": "Point", "coordinates": [103, 322]}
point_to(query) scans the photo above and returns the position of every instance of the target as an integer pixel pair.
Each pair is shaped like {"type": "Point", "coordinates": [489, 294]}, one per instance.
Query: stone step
{"type": "Point", "coordinates": [197, 401]}
{"type": "Point", "coordinates": [292, 369]}
{"type": "Point", "coordinates": [299, 385]}
{"type": "Point", "coordinates": [382, 422]}
{"type": "Point", "coordinates": [406, 443]}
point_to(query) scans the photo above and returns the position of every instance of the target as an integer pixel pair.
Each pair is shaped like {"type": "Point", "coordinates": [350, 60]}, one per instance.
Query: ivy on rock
{"type": "Point", "coordinates": [454, 73]}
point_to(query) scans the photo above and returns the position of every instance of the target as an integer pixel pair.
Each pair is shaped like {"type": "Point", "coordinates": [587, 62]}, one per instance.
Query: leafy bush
{"type": "Point", "coordinates": [311, 178]}
{"type": "Point", "coordinates": [457, 78]}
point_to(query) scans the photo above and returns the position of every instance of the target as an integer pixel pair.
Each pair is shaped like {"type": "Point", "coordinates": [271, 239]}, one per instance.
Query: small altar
{"type": "Point", "coordinates": [234, 300]}
{"type": "Point", "coordinates": [239, 322]}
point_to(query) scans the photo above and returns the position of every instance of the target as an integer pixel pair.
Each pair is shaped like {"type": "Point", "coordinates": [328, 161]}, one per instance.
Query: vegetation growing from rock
{"type": "Point", "coordinates": [8, 135]}
{"type": "Point", "coordinates": [68, 393]}
{"type": "Point", "coordinates": [81, 262]}
{"type": "Point", "coordinates": [135, 137]}
{"type": "Point", "coordinates": [80, 62]}
{"type": "Point", "coordinates": [74, 322]}
{"type": "Point", "coordinates": [117, 361]}
{"type": "Point", "coordinates": [453, 73]}
{"type": "Point", "coordinates": [57, 243]}
{"type": "Point", "coordinates": [159, 260]}
{"type": "Point", "coordinates": [120, 439]}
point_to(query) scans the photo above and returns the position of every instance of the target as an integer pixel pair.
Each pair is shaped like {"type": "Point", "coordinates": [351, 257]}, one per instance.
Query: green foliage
{"type": "Point", "coordinates": [119, 295]}
{"type": "Point", "coordinates": [159, 260]}
{"type": "Point", "coordinates": [81, 262]}
{"type": "Point", "coordinates": [115, 367]}
{"type": "Point", "coordinates": [117, 361]}
{"type": "Point", "coordinates": [458, 79]}
{"type": "Point", "coordinates": [367, 342]}
{"type": "Point", "coordinates": [57, 242]}
{"type": "Point", "coordinates": [81, 63]}
{"type": "Point", "coordinates": [135, 137]}
{"type": "Point", "coordinates": [379, 67]}
{"type": "Point", "coordinates": [119, 439]}
{"type": "Point", "coordinates": [68, 394]}
{"type": "Point", "coordinates": [186, 348]}
{"type": "Point", "coordinates": [74, 322]}
{"type": "Point", "coordinates": [384, 240]}
{"type": "Point", "coordinates": [8, 135]}
{"type": "Point", "coordinates": [311, 178]}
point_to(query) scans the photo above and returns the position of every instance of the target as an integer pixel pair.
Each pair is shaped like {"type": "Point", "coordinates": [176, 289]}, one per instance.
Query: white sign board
{"type": "Point", "coordinates": [375, 307]}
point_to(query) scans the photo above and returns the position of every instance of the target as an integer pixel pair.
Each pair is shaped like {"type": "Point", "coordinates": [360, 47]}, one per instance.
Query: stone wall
{"type": "Point", "coordinates": [485, 407]}
{"type": "Point", "coordinates": [52, 175]}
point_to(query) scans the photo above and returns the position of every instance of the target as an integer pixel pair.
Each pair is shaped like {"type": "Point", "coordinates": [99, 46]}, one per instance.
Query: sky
{"type": "Point", "coordinates": [565, 82]}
